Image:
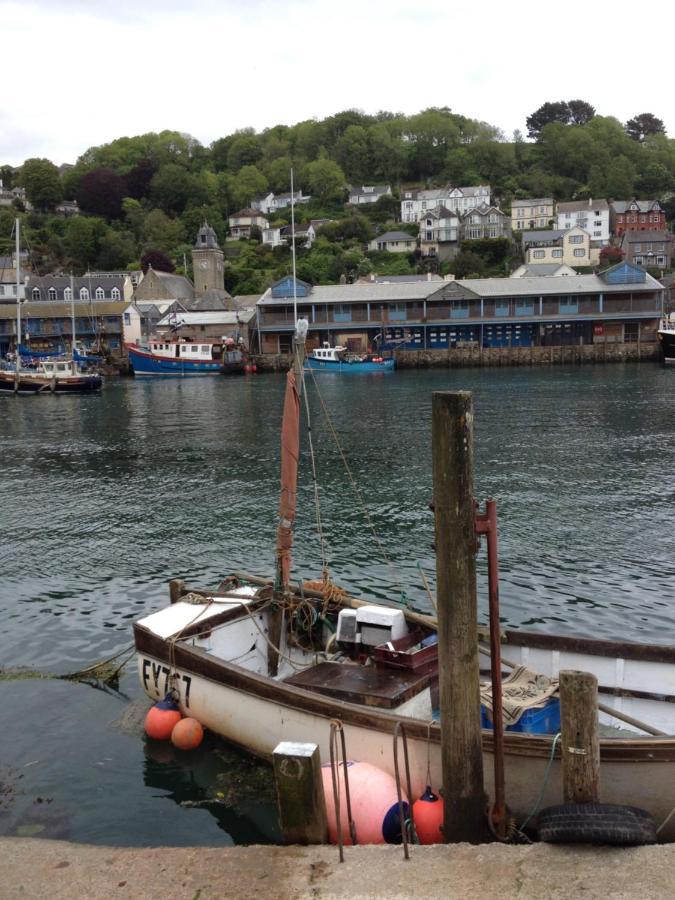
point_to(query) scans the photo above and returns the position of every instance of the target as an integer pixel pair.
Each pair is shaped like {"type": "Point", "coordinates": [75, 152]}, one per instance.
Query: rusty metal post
{"type": "Point", "coordinates": [486, 523]}
{"type": "Point", "coordinates": [458, 665]}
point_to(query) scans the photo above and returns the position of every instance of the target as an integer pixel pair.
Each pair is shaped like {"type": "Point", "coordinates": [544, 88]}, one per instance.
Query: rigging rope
{"type": "Point", "coordinates": [356, 489]}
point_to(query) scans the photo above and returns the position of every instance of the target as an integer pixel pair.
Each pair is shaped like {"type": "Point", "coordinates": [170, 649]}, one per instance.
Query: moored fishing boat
{"type": "Point", "coordinates": [666, 337]}
{"type": "Point", "coordinates": [259, 662]}
{"type": "Point", "coordinates": [164, 356]}
{"type": "Point", "coordinates": [51, 376]}
{"type": "Point", "coordinates": [339, 359]}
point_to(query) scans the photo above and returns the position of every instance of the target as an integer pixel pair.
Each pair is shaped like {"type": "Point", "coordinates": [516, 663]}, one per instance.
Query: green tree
{"type": "Point", "coordinates": [117, 250]}
{"type": "Point", "coordinates": [352, 153]}
{"type": "Point", "coordinates": [245, 150]}
{"type": "Point", "coordinates": [326, 180]}
{"type": "Point", "coordinates": [654, 181]}
{"type": "Point", "coordinates": [248, 184]}
{"type": "Point", "coordinates": [278, 173]}
{"type": "Point", "coordinates": [640, 127]}
{"type": "Point", "coordinates": [82, 241]}
{"type": "Point", "coordinates": [42, 183]}
{"type": "Point", "coordinates": [161, 233]}
{"type": "Point", "coordinates": [173, 187]}
{"type": "Point", "coordinates": [547, 114]}
{"type": "Point", "coordinates": [466, 264]}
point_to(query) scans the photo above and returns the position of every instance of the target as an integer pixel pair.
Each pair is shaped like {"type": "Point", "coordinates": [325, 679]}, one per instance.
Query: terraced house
{"type": "Point", "coordinates": [622, 304]}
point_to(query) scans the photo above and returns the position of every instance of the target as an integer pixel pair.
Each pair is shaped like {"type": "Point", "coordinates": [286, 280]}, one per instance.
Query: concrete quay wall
{"type": "Point", "coordinates": [471, 357]}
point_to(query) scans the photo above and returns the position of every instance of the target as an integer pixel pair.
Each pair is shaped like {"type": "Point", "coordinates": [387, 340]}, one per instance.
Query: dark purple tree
{"type": "Point", "coordinates": [157, 260]}
{"type": "Point", "coordinates": [639, 127]}
{"type": "Point", "coordinates": [139, 178]}
{"type": "Point", "coordinates": [100, 192]}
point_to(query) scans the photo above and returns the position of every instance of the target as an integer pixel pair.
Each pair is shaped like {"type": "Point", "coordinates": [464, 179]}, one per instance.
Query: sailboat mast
{"type": "Point", "coordinates": [18, 295]}
{"type": "Point", "coordinates": [72, 316]}
{"type": "Point", "coordinates": [295, 293]}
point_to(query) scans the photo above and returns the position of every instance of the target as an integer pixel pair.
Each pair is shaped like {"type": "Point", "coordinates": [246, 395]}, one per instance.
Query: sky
{"type": "Point", "coordinates": [80, 73]}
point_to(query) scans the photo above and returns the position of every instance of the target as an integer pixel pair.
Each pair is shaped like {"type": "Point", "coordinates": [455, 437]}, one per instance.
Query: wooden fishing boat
{"type": "Point", "coordinates": [257, 673]}
{"type": "Point", "coordinates": [51, 376]}
{"type": "Point", "coordinates": [339, 359]}
{"type": "Point", "coordinates": [260, 662]}
{"type": "Point", "coordinates": [171, 356]}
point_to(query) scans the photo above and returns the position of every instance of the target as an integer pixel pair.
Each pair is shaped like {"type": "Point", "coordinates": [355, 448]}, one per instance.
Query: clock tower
{"type": "Point", "coordinates": [207, 262]}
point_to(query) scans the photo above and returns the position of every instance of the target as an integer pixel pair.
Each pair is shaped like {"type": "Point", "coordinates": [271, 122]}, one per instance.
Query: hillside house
{"type": "Point", "coordinates": [439, 233]}
{"type": "Point", "coordinates": [271, 203]}
{"type": "Point", "coordinates": [591, 215]}
{"type": "Point", "coordinates": [636, 215]}
{"type": "Point", "coordinates": [394, 242]}
{"type": "Point", "coordinates": [243, 221]}
{"type": "Point", "coordinates": [570, 248]}
{"type": "Point", "coordinates": [530, 214]}
{"type": "Point", "coordinates": [485, 222]}
{"type": "Point", "coordinates": [367, 193]}
{"type": "Point", "coordinates": [653, 249]}
{"type": "Point", "coordinates": [415, 204]}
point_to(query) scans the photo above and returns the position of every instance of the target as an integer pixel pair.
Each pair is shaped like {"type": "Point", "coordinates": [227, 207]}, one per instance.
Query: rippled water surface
{"type": "Point", "coordinates": [104, 499]}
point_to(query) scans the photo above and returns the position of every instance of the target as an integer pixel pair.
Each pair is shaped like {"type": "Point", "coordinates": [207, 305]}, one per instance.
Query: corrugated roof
{"type": "Point", "coordinates": [223, 317]}
{"type": "Point", "coordinates": [539, 285]}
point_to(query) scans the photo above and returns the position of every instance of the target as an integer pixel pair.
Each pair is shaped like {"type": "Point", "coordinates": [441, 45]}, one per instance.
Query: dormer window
{"type": "Point", "coordinates": [115, 293]}
{"type": "Point", "coordinates": [35, 294]}
{"type": "Point", "coordinates": [100, 293]}
{"type": "Point", "coordinates": [67, 294]}
{"type": "Point", "coordinates": [52, 293]}
{"type": "Point", "coordinates": [84, 293]}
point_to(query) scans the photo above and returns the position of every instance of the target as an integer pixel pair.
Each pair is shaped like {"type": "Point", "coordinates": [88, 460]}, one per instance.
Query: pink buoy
{"type": "Point", "coordinates": [374, 805]}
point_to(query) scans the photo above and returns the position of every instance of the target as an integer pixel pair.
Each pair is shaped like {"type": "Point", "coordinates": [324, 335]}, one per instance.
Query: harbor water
{"type": "Point", "coordinates": [103, 499]}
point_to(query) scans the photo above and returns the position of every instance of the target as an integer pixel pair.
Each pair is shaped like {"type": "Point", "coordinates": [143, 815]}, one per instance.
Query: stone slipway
{"type": "Point", "coordinates": [32, 868]}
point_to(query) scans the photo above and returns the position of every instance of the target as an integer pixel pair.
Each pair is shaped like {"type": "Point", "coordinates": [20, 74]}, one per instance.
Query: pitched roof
{"type": "Point", "coordinates": [211, 300]}
{"type": "Point", "coordinates": [394, 236]}
{"type": "Point", "coordinates": [538, 201]}
{"type": "Point", "coordinates": [213, 317]}
{"type": "Point", "coordinates": [622, 206]}
{"type": "Point", "coordinates": [582, 205]}
{"type": "Point", "coordinates": [535, 237]}
{"type": "Point", "coordinates": [642, 237]}
{"type": "Point", "coordinates": [547, 269]}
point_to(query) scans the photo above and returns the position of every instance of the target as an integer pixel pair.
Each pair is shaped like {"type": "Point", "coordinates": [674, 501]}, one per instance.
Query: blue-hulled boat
{"type": "Point", "coordinates": [162, 356]}
{"type": "Point", "coordinates": [339, 359]}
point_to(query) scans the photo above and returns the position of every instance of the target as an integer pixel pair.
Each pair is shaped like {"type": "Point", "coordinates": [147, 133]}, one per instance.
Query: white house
{"type": "Point", "coordinates": [591, 215]}
{"type": "Point", "coordinates": [415, 204]}
{"type": "Point", "coordinates": [367, 193]}
{"type": "Point", "coordinates": [270, 203]}
{"type": "Point", "coordinates": [394, 242]}
{"type": "Point", "coordinates": [439, 233]}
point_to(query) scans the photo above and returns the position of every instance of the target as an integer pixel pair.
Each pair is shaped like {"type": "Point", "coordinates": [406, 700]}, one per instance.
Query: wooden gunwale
{"type": "Point", "coordinates": [195, 660]}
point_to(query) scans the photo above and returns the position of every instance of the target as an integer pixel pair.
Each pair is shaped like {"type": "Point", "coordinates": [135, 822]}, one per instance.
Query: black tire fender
{"type": "Point", "coordinates": [596, 823]}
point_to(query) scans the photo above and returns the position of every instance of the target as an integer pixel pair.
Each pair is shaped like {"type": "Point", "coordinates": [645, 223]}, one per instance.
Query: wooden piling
{"type": "Point", "coordinates": [300, 797]}
{"type": "Point", "coordinates": [579, 737]}
{"type": "Point", "coordinates": [176, 589]}
{"type": "Point", "coordinates": [458, 663]}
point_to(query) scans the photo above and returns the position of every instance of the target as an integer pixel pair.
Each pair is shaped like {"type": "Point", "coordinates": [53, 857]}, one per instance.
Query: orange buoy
{"type": "Point", "coordinates": [374, 805]}
{"type": "Point", "coordinates": [161, 718]}
{"type": "Point", "coordinates": [187, 734]}
{"type": "Point", "coordinates": [428, 817]}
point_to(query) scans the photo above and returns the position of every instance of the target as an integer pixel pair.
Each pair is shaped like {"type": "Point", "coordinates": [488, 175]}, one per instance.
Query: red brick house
{"type": "Point", "coordinates": [636, 215]}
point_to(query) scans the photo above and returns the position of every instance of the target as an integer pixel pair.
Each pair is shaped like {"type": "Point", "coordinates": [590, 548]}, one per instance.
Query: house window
{"type": "Point", "coordinates": [342, 312]}
{"type": "Point", "coordinates": [459, 309]}
{"type": "Point", "coordinates": [35, 294]}
{"type": "Point", "coordinates": [475, 220]}
{"type": "Point", "coordinates": [524, 308]}
{"type": "Point", "coordinates": [597, 234]}
{"type": "Point", "coordinates": [474, 233]}
{"type": "Point", "coordinates": [493, 218]}
{"type": "Point", "coordinates": [637, 248]}
{"type": "Point", "coordinates": [100, 293]}
{"type": "Point", "coordinates": [598, 222]}
{"type": "Point", "coordinates": [580, 252]}
{"type": "Point", "coordinates": [52, 293]}
{"type": "Point", "coordinates": [127, 318]}
{"type": "Point", "coordinates": [538, 254]}
{"type": "Point", "coordinates": [660, 260]}
{"type": "Point", "coordinates": [67, 294]}
{"type": "Point", "coordinates": [397, 312]}
{"type": "Point", "coordinates": [568, 306]}
{"type": "Point", "coordinates": [576, 238]}
{"type": "Point", "coordinates": [493, 232]}
{"type": "Point", "coordinates": [501, 307]}
{"type": "Point", "coordinates": [556, 254]}
{"type": "Point", "coordinates": [84, 293]}
{"type": "Point", "coordinates": [115, 293]}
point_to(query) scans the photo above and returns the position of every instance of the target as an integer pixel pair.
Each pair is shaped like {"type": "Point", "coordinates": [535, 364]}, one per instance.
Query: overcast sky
{"type": "Point", "coordinates": [79, 73]}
